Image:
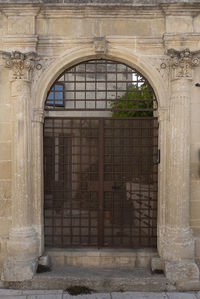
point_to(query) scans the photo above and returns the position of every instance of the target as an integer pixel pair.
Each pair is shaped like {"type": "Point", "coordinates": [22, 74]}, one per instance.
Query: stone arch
{"type": "Point", "coordinates": [78, 55]}
{"type": "Point", "coordinates": [72, 57]}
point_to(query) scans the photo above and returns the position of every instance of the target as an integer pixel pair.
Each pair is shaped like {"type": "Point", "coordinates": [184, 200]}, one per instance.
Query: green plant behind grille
{"type": "Point", "coordinates": [138, 101]}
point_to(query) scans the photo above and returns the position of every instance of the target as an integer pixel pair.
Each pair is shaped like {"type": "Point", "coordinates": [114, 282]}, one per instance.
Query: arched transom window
{"type": "Point", "coordinates": [102, 85]}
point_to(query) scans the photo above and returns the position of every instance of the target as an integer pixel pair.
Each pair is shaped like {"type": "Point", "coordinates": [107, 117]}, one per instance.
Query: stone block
{"type": "Point", "coordinates": [198, 294]}
{"type": "Point", "coordinates": [58, 261]}
{"type": "Point", "coordinates": [5, 150]}
{"type": "Point", "coordinates": [195, 151]}
{"type": "Point", "coordinates": [8, 292]}
{"type": "Point", "coordinates": [138, 295]}
{"type": "Point", "coordinates": [5, 170]}
{"type": "Point", "coordinates": [5, 224]}
{"type": "Point", "coordinates": [5, 208]}
{"type": "Point", "coordinates": [143, 259]}
{"type": "Point", "coordinates": [194, 115]}
{"type": "Point", "coordinates": [189, 285]}
{"type": "Point", "coordinates": [5, 114]}
{"type": "Point", "coordinates": [5, 132]}
{"type": "Point", "coordinates": [3, 254]}
{"type": "Point", "coordinates": [180, 295]}
{"type": "Point", "coordinates": [43, 296]}
{"type": "Point", "coordinates": [194, 223]}
{"type": "Point", "coordinates": [194, 209]}
{"type": "Point", "coordinates": [107, 261]}
{"type": "Point", "coordinates": [197, 248]}
{"type": "Point", "coordinates": [196, 23]}
{"type": "Point", "coordinates": [90, 261]}
{"type": "Point", "coordinates": [41, 292]}
{"type": "Point", "coordinates": [195, 191]}
{"type": "Point", "coordinates": [5, 189]}
{"type": "Point", "coordinates": [142, 262]}
{"type": "Point", "coordinates": [44, 260]}
{"type": "Point", "coordinates": [128, 262]}
{"type": "Point", "coordinates": [182, 24]}
{"type": "Point", "coordinates": [90, 253]}
{"type": "Point", "coordinates": [12, 270]}
{"type": "Point", "coordinates": [157, 263]}
{"type": "Point", "coordinates": [91, 296]}
{"type": "Point", "coordinates": [181, 272]}
{"type": "Point", "coordinates": [195, 128]}
{"type": "Point", "coordinates": [22, 248]}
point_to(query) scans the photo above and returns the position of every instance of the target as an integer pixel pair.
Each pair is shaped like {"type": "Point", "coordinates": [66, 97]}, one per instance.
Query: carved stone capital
{"type": "Point", "coordinates": [20, 63]}
{"type": "Point", "coordinates": [182, 63]}
{"type": "Point", "coordinates": [100, 45]}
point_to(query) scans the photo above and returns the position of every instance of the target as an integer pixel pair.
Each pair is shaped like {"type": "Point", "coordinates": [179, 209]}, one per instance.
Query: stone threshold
{"type": "Point", "coordinates": [98, 279]}
{"type": "Point", "coordinates": [110, 258]}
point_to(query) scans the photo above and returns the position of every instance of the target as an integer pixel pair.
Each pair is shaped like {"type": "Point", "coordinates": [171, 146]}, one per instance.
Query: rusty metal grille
{"type": "Point", "coordinates": [100, 166]}
{"type": "Point", "coordinates": [101, 85]}
{"type": "Point", "coordinates": [100, 182]}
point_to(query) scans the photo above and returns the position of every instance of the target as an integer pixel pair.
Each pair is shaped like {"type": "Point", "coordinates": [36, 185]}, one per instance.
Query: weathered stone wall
{"type": "Point", "coordinates": [5, 163]}
{"type": "Point", "coordinates": [63, 33]}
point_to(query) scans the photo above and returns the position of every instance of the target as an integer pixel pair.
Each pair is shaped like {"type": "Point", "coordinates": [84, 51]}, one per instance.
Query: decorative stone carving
{"type": "Point", "coordinates": [100, 45]}
{"type": "Point", "coordinates": [182, 62]}
{"type": "Point", "coordinates": [21, 63]}
{"type": "Point", "coordinates": [41, 67]}
{"type": "Point", "coordinates": [161, 64]}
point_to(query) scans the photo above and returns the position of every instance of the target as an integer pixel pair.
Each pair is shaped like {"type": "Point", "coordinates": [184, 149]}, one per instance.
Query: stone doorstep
{"type": "Point", "coordinates": [98, 279]}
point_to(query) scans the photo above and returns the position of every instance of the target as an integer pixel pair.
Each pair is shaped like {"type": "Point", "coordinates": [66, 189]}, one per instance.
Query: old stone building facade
{"type": "Point", "coordinates": [158, 41]}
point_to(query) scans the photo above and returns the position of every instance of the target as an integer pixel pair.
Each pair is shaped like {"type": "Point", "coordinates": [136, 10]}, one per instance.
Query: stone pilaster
{"type": "Point", "coordinates": [37, 167]}
{"type": "Point", "coordinates": [22, 244]}
{"type": "Point", "coordinates": [178, 249]}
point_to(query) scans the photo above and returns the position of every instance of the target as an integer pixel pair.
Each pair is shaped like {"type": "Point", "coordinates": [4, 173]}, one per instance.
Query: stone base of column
{"type": "Point", "coordinates": [178, 258]}
{"type": "Point", "coordinates": [184, 274]}
{"type": "Point", "coordinates": [19, 270]}
{"type": "Point", "coordinates": [178, 244]}
{"type": "Point", "coordinates": [22, 255]}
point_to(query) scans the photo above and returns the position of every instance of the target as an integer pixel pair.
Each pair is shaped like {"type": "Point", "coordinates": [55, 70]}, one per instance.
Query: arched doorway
{"type": "Point", "coordinates": [100, 158]}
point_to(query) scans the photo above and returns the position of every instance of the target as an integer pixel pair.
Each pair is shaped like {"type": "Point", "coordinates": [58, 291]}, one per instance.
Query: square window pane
{"type": "Point", "coordinates": [58, 87]}
{"type": "Point", "coordinates": [58, 95]}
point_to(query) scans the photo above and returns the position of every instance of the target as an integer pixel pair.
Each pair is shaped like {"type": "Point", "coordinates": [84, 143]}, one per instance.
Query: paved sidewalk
{"type": "Point", "coordinates": [59, 294]}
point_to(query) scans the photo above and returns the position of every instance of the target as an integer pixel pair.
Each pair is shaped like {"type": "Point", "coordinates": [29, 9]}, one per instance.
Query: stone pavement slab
{"type": "Point", "coordinates": [12, 297]}
{"type": "Point", "coordinates": [181, 295]}
{"type": "Point", "coordinates": [91, 296]}
{"type": "Point", "coordinates": [139, 295]}
{"type": "Point", "coordinates": [49, 296]}
{"type": "Point", "coordinates": [41, 292]}
{"type": "Point", "coordinates": [60, 294]}
{"type": "Point", "coordinates": [8, 292]}
{"type": "Point", "coordinates": [198, 295]}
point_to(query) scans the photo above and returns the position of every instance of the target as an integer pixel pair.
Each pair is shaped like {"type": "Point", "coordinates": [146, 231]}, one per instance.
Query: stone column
{"type": "Point", "coordinates": [22, 244]}
{"type": "Point", "coordinates": [37, 164]}
{"type": "Point", "coordinates": [178, 251]}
